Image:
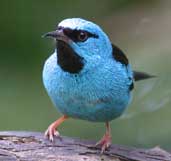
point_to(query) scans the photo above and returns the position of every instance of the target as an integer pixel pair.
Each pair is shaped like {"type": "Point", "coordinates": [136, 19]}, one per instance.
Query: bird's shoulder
{"type": "Point", "coordinates": [120, 57]}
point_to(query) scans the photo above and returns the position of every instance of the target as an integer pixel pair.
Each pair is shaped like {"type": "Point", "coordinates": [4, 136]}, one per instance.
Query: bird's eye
{"type": "Point", "coordinates": [82, 36]}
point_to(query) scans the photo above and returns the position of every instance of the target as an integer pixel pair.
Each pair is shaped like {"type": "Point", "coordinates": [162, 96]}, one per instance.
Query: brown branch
{"type": "Point", "coordinates": [32, 146]}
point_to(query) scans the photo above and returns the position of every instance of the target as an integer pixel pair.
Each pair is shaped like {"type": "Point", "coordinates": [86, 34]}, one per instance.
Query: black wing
{"type": "Point", "coordinates": [119, 55]}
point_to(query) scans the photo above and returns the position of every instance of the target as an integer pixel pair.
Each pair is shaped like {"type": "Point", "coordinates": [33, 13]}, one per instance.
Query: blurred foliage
{"type": "Point", "coordinates": [23, 23]}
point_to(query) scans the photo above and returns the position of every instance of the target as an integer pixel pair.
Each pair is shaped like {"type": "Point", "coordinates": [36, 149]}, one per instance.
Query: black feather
{"type": "Point", "coordinates": [119, 55]}
{"type": "Point", "coordinates": [131, 87]}
{"type": "Point", "coordinates": [141, 75]}
{"type": "Point", "coordinates": [68, 59]}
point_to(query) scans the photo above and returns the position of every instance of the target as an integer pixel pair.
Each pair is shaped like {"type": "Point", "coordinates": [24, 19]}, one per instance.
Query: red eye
{"type": "Point", "coordinates": [83, 36]}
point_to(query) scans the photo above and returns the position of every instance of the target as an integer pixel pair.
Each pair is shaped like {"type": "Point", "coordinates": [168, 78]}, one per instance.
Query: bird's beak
{"type": "Point", "coordinates": [58, 35]}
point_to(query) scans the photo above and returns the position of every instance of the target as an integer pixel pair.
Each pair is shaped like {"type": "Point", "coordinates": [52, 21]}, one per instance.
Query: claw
{"type": "Point", "coordinates": [106, 141]}
{"type": "Point", "coordinates": [51, 138]}
{"type": "Point", "coordinates": [51, 131]}
{"type": "Point", "coordinates": [56, 133]}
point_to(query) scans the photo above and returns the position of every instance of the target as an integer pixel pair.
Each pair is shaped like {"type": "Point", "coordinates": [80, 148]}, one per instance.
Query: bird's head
{"type": "Point", "coordinates": [81, 44]}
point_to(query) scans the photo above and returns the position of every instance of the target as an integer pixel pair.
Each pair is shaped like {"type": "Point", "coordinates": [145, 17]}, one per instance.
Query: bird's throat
{"type": "Point", "coordinates": [68, 59]}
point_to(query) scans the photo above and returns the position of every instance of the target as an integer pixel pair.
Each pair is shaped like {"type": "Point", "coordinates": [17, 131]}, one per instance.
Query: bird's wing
{"type": "Point", "coordinates": [119, 56]}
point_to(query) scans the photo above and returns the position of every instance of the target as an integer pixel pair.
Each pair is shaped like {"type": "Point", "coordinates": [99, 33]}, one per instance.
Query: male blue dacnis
{"type": "Point", "coordinates": [87, 77]}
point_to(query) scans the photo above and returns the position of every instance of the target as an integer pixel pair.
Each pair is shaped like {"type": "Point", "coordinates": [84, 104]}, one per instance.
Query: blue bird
{"type": "Point", "coordinates": [87, 77]}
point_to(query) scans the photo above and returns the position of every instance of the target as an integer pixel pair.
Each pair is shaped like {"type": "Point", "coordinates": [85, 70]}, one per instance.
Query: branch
{"type": "Point", "coordinates": [32, 146]}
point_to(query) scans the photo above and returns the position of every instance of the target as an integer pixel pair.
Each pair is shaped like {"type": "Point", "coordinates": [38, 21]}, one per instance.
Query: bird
{"type": "Point", "coordinates": [87, 77]}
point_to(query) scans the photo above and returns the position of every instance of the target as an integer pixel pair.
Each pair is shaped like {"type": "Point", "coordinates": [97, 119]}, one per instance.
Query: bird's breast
{"type": "Point", "coordinates": [98, 95]}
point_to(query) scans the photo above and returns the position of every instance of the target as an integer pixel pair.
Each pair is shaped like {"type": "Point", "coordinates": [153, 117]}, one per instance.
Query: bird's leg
{"type": "Point", "coordinates": [106, 140]}
{"type": "Point", "coordinates": [51, 131]}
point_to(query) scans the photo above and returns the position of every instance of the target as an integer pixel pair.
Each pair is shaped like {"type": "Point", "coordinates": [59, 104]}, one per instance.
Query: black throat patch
{"type": "Point", "coordinates": [68, 59]}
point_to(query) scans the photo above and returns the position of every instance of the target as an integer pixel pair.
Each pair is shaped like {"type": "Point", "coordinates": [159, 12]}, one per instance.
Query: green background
{"type": "Point", "coordinates": [141, 28]}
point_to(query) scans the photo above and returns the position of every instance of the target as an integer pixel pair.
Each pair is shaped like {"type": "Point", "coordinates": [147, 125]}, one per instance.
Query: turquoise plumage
{"type": "Point", "coordinates": [87, 77]}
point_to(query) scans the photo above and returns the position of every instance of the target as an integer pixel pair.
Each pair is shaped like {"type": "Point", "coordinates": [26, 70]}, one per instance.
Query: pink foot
{"type": "Point", "coordinates": [105, 142]}
{"type": "Point", "coordinates": [51, 132]}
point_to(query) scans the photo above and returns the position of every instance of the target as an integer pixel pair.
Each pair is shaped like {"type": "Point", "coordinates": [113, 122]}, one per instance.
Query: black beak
{"type": "Point", "coordinates": [52, 34]}
{"type": "Point", "coordinates": [58, 35]}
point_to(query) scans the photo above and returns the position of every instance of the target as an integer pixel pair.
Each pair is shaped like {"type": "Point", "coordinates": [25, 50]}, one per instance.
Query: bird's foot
{"type": "Point", "coordinates": [51, 132]}
{"type": "Point", "coordinates": [105, 142]}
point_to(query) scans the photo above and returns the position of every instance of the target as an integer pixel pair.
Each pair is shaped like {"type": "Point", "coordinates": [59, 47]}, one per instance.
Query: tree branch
{"type": "Point", "coordinates": [32, 146]}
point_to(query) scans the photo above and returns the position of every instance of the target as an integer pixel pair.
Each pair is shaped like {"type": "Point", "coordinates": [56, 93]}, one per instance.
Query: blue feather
{"type": "Point", "coordinates": [100, 91]}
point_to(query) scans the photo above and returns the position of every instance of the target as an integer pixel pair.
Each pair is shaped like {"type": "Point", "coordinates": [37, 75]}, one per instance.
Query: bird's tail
{"type": "Point", "coordinates": [141, 75]}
